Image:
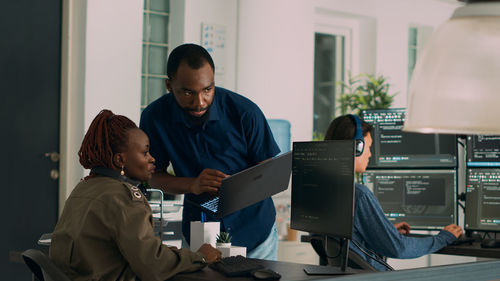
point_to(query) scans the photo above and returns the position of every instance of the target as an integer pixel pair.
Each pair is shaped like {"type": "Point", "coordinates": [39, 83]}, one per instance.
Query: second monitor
{"type": "Point", "coordinates": [393, 148]}
{"type": "Point", "coordinates": [483, 151]}
{"type": "Point", "coordinates": [425, 199]}
{"type": "Point", "coordinates": [482, 210]}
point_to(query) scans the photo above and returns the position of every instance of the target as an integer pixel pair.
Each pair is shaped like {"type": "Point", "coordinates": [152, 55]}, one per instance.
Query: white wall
{"type": "Point", "coordinates": [72, 95]}
{"type": "Point", "coordinates": [101, 65]}
{"type": "Point", "coordinates": [187, 18]}
{"type": "Point", "coordinates": [275, 57]}
{"type": "Point", "coordinates": [276, 60]}
{"type": "Point", "coordinates": [113, 58]}
{"type": "Point", "coordinates": [268, 60]}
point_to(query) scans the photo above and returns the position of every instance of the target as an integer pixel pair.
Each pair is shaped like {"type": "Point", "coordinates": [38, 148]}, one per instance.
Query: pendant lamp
{"type": "Point", "coordinates": [455, 86]}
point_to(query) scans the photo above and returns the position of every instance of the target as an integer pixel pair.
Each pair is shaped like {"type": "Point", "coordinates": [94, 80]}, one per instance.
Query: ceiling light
{"type": "Point", "coordinates": [455, 86]}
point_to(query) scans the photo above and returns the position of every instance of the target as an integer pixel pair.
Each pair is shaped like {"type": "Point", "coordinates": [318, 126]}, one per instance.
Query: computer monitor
{"type": "Point", "coordinates": [393, 148]}
{"type": "Point", "coordinates": [323, 189]}
{"type": "Point", "coordinates": [482, 201]}
{"type": "Point", "coordinates": [425, 199]}
{"type": "Point", "coordinates": [483, 151]}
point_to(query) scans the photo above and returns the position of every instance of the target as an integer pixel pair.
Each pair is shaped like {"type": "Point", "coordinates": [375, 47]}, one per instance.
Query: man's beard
{"type": "Point", "coordinates": [193, 120]}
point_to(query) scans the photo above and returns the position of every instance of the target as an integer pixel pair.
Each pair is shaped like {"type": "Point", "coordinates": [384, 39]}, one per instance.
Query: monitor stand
{"type": "Point", "coordinates": [332, 248]}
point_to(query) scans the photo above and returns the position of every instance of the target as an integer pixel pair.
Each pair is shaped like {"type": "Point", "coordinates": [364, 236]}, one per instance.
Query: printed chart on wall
{"type": "Point", "coordinates": [213, 39]}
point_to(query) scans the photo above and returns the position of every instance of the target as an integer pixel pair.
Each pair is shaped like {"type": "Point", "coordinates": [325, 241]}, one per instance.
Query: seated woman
{"type": "Point", "coordinates": [105, 231]}
{"type": "Point", "coordinates": [372, 230]}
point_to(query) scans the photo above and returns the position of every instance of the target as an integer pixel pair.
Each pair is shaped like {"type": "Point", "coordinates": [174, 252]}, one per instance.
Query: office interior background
{"type": "Point", "coordinates": [113, 56]}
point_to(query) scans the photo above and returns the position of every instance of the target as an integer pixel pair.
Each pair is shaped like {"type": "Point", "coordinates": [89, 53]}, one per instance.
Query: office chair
{"type": "Point", "coordinates": [42, 267]}
{"type": "Point", "coordinates": [155, 200]}
{"type": "Point", "coordinates": [281, 132]}
{"type": "Point", "coordinates": [355, 260]}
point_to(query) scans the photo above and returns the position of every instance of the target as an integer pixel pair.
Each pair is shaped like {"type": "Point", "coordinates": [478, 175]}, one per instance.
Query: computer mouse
{"type": "Point", "coordinates": [490, 243]}
{"type": "Point", "coordinates": [265, 274]}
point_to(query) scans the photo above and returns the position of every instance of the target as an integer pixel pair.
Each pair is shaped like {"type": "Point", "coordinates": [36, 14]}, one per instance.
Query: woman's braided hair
{"type": "Point", "coordinates": [106, 136]}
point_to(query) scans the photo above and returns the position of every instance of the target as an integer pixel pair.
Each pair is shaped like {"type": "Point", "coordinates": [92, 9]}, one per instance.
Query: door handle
{"type": "Point", "coordinates": [53, 156]}
{"type": "Point", "coordinates": [54, 174]}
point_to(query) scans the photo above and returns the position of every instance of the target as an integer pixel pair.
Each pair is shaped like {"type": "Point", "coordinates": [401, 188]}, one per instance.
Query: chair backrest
{"type": "Point", "coordinates": [281, 132]}
{"type": "Point", "coordinates": [42, 267]}
{"type": "Point", "coordinates": [155, 200]}
{"type": "Point", "coordinates": [355, 260]}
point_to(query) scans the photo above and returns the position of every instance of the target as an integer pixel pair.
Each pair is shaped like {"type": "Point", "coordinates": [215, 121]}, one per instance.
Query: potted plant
{"type": "Point", "coordinates": [223, 240]}
{"type": "Point", "coordinates": [364, 91]}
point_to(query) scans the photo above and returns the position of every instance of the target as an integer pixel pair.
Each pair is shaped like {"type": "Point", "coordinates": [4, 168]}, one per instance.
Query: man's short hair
{"type": "Point", "coordinates": [344, 128]}
{"type": "Point", "coordinates": [194, 55]}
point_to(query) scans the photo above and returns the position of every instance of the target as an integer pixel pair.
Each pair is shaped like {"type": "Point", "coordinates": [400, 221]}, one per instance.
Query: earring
{"type": "Point", "coordinates": [122, 172]}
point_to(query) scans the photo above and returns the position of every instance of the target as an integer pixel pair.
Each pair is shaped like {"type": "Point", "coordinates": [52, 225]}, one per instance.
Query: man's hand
{"type": "Point", "coordinates": [209, 181]}
{"type": "Point", "coordinates": [402, 227]}
{"type": "Point", "coordinates": [454, 229]}
{"type": "Point", "coordinates": [210, 253]}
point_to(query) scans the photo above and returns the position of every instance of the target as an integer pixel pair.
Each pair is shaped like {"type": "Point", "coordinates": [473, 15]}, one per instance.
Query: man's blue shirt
{"type": "Point", "coordinates": [234, 137]}
{"type": "Point", "coordinates": [373, 231]}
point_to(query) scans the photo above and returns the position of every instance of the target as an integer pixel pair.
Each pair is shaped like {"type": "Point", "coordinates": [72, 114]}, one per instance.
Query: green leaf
{"type": "Point", "coordinates": [223, 237]}
{"type": "Point", "coordinates": [364, 91]}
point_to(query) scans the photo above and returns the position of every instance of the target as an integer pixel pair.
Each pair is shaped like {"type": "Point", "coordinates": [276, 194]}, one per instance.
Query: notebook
{"type": "Point", "coordinates": [249, 186]}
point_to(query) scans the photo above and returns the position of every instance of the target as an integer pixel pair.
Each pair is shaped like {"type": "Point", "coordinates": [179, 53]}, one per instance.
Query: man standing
{"type": "Point", "coordinates": [208, 133]}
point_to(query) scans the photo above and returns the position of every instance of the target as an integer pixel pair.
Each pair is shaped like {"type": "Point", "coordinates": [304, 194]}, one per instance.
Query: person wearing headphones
{"type": "Point", "coordinates": [373, 233]}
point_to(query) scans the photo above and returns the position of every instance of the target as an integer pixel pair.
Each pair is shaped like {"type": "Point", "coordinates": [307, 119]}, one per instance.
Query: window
{"type": "Point", "coordinates": [329, 67]}
{"type": "Point", "coordinates": [412, 50]}
{"type": "Point", "coordinates": [417, 36]}
{"type": "Point", "coordinates": [154, 50]}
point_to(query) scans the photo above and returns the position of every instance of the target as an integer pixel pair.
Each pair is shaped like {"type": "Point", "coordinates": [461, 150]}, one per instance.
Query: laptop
{"type": "Point", "coordinates": [249, 186]}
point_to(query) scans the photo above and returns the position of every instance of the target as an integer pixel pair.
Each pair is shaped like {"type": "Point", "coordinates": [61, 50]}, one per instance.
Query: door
{"type": "Point", "coordinates": [332, 59]}
{"type": "Point", "coordinates": [30, 59]}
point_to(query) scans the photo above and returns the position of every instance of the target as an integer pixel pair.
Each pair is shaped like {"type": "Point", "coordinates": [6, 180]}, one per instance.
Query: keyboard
{"type": "Point", "coordinates": [462, 240]}
{"type": "Point", "coordinates": [235, 266]}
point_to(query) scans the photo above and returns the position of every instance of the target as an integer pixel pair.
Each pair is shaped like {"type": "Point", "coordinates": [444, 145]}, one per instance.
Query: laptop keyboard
{"type": "Point", "coordinates": [235, 266]}
{"type": "Point", "coordinates": [212, 205]}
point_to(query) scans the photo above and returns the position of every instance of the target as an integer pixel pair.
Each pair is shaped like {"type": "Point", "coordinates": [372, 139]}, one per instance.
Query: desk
{"type": "Point", "coordinates": [288, 271]}
{"type": "Point", "coordinates": [467, 249]}
{"type": "Point", "coordinates": [471, 250]}
{"type": "Point", "coordinates": [477, 271]}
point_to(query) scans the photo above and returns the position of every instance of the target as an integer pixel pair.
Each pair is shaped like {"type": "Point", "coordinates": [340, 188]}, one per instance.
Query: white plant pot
{"type": "Point", "coordinates": [223, 245]}
{"type": "Point", "coordinates": [232, 251]}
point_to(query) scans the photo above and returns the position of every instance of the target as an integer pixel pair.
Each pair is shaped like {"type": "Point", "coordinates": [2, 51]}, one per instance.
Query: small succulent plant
{"type": "Point", "coordinates": [223, 237]}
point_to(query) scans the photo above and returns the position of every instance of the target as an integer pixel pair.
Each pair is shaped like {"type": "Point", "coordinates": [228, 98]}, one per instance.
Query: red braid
{"type": "Point", "coordinates": [106, 136]}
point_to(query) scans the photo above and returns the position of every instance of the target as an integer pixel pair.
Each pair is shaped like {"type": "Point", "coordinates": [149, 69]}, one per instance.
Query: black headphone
{"type": "Point", "coordinates": [358, 136]}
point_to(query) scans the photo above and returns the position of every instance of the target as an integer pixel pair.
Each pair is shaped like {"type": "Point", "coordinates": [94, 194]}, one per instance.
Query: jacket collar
{"type": "Point", "coordinates": [108, 172]}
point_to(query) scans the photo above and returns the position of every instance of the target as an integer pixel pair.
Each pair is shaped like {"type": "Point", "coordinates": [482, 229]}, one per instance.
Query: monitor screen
{"type": "Point", "coordinates": [323, 187]}
{"type": "Point", "coordinates": [483, 151]}
{"type": "Point", "coordinates": [482, 201]}
{"type": "Point", "coordinates": [425, 199]}
{"type": "Point", "coordinates": [393, 148]}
